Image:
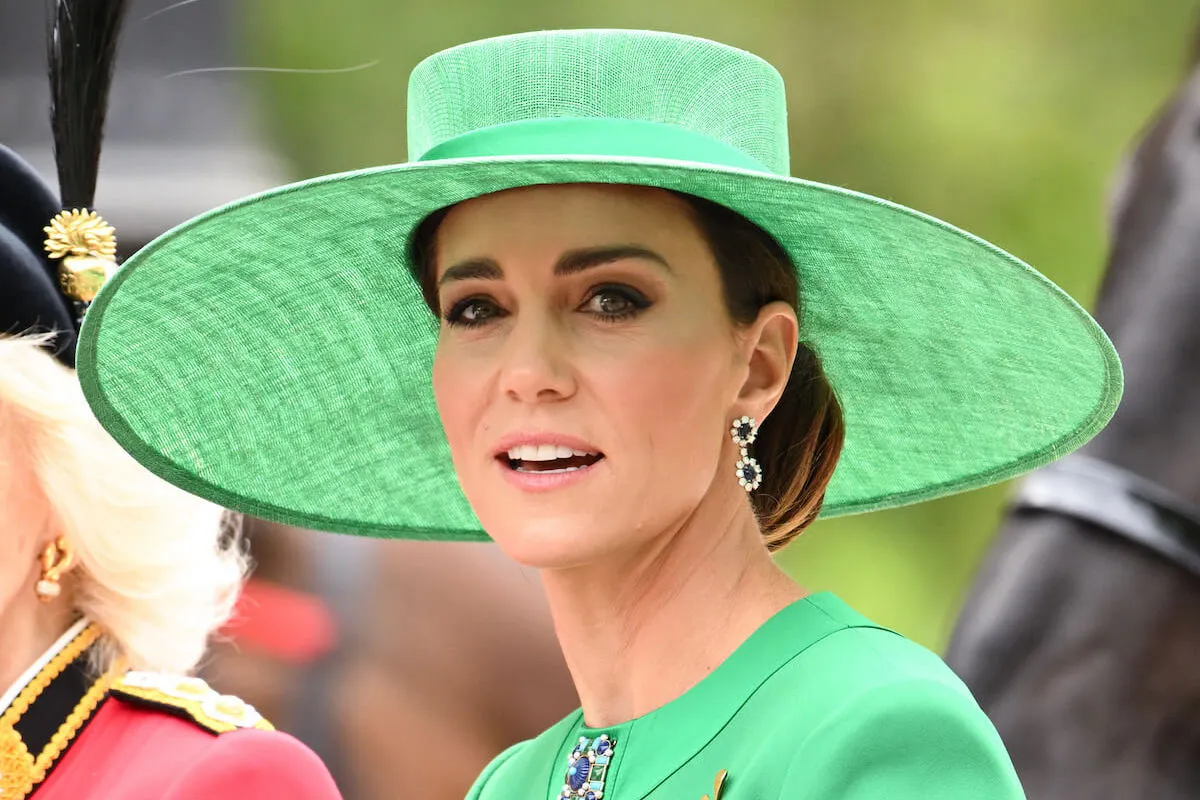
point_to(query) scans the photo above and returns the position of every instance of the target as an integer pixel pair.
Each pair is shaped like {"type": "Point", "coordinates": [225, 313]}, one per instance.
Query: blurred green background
{"type": "Point", "coordinates": [1004, 117]}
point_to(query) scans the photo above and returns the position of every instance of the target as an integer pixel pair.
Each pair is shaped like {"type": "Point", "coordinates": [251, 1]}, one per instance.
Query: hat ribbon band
{"type": "Point", "coordinates": [592, 136]}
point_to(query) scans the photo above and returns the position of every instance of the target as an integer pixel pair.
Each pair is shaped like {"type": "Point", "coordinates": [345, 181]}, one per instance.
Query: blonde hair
{"type": "Point", "coordinates": [157, 569]}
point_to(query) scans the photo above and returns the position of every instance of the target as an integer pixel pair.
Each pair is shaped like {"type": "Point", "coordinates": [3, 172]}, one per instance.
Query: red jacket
{"type": "Point", "coordinates": [128, 752]}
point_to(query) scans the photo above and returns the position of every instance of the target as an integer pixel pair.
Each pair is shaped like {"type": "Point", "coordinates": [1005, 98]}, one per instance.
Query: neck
{"type": "Point", "coordinates": [640, 630]}
{"type": "Point", "coordinates": [27, 629]}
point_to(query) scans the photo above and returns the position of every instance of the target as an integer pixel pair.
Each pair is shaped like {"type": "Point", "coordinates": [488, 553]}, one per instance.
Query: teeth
{"type": "Point", "coordinates": [544, 452]}
{"type": "Point", "coordinates": [526, 452]}
{"type": "Point", "coordinates": [549, 471]}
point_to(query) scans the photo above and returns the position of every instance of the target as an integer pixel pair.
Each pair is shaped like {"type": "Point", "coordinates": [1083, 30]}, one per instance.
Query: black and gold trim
{"type": "Point", "coordinates": [188, 698]}
{"type": "Point", "coordinates": [44, 719]}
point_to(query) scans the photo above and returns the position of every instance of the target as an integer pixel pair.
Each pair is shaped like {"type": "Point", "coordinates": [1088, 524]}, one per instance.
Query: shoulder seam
{"type": "Point", "coordinates": [881, 689]}
{"type": "Point", "coordinates": [958, 706]}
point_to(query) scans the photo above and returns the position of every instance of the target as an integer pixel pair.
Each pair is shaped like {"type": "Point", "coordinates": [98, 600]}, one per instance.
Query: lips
{"type": "Point", "coordinates": [548, 458]}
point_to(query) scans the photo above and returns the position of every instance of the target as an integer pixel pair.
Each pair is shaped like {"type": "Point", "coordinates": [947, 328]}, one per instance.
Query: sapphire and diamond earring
{"type": "Point", "coordinates": [586, 767]}
{"type": "Point", "coordinates": [749, 473]}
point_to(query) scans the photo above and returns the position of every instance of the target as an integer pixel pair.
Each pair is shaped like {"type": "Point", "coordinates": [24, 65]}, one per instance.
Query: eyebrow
{"type": "Point", "coordinates": [473, 268]}
{"type": "Point", "coordinates": [569, 263]}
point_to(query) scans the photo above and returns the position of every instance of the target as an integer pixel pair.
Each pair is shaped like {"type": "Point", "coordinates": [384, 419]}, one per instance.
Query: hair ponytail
{"type": "Point", "coordinates": [798, 445]}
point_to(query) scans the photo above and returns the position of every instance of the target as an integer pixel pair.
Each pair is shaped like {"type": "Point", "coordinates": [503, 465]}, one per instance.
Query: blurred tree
{"type": "Point", "coordinates": [1005, 117]}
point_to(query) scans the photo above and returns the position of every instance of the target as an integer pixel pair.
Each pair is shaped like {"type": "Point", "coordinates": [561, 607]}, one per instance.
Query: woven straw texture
{"type": "Point", "coordinates": [722, 92]}
{"type": "Point", "coordinates": [274, 355]}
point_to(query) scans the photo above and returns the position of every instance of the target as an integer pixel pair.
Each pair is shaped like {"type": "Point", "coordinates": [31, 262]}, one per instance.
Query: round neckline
{"type": "Point", "coordinates": [735, 664]}
{"type": "Point", "coordinates": [650, 748]}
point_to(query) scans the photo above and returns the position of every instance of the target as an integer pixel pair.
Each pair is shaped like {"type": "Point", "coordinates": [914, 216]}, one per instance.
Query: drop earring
{"type": "Point", "coordinates": [56, 559]}
{"type": "Point", "coordinates": [749, 473]}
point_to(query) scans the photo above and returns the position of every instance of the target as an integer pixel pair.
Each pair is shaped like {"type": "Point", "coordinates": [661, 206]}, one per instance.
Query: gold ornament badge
{"type": "Point", "coordinates": [718, 784]}
{"type": "Point", "coordinates": [87, 246]}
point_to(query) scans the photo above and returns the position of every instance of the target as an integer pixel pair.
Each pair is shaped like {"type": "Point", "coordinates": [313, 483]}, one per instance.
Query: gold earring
{"type": "Point", "coordinates": [56, 559]}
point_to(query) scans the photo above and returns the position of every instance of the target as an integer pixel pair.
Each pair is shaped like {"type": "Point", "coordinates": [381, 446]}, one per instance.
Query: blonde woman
{"type": "Point", "coordinates": [111, 580]}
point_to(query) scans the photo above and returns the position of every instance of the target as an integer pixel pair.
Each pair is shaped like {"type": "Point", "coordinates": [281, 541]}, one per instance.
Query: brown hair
{"type": "Point", "coordinates": [799, 443]}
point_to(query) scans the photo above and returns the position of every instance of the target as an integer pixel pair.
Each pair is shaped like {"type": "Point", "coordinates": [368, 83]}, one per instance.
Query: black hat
{"type": "Point", "coordinates": [36, 294]}
{"type": "Point", "coordinates": [30, 296]}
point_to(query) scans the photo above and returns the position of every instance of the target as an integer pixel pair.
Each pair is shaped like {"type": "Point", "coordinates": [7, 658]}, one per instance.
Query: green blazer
{"type": "Point", "coordinates": [818, 704]}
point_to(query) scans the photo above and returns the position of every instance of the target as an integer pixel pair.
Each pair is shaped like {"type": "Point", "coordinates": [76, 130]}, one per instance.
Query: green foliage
{"type": "Point", "coordinates": [1005, 117]}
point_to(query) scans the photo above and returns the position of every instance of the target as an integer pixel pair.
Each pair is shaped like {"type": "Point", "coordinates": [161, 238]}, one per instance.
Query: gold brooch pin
{"type": "Point", "coordinates": [717, 784]}
{"type": "Point", "coordinates": [87, 246]}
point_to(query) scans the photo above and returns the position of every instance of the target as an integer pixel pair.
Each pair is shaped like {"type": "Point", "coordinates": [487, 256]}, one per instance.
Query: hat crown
{"type": "Point", "coordinates": [704, 87]}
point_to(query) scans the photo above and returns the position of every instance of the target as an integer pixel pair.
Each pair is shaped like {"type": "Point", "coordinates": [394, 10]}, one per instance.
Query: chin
{"type": "Point", "coordinates": [552, 541]}
{"type": "Point", "coordinates": [549, 527]}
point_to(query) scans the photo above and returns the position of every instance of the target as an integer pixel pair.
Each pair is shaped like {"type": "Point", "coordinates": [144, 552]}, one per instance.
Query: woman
{"type": "Point", "coordinates": [110, 583]}
{"type": "Point", "coordinates": [631, 297]}
{"type": "Point", "coordinates": [111, 580]}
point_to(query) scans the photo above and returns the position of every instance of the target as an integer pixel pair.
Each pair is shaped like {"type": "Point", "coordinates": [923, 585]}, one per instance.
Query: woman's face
{"type": "Point", "coordinates": [587, 371]}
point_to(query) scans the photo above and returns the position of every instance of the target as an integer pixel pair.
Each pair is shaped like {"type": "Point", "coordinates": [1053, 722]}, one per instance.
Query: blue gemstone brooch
{"type": "Point", "coordinates": [587, 765]}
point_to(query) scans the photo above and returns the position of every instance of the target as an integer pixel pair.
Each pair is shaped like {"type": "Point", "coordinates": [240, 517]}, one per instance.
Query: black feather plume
{"type": "Point", "coordinates": [82, 52]}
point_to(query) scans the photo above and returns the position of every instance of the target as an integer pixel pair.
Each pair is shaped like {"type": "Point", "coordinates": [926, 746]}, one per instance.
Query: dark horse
{"type": "Point", "coordinates": [1081, 637]}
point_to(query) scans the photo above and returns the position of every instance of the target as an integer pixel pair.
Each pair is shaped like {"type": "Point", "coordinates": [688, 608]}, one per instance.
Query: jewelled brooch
{"type": "Point", "coordinates": [587, 765]}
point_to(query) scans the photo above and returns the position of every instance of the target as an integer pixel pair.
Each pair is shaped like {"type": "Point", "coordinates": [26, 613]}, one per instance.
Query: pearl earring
{"type": "Point", "coordinates": [749, 473]}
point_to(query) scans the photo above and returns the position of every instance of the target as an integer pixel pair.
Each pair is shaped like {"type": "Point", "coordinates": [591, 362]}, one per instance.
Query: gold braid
{"type": "Point", "coordinates": [20, 771]}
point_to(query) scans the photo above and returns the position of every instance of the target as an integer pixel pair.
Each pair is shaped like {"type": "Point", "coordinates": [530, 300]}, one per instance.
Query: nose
{"type": "Point", "coordinates": [537, 366]}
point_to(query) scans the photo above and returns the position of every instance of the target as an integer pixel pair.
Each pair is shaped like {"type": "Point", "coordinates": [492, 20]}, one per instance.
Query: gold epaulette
{"type": "Point", "coordinates": [190, 698]}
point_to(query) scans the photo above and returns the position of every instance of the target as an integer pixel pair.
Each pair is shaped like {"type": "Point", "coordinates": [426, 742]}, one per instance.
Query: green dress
{"type": "Point", "coordinates": [818, 704]}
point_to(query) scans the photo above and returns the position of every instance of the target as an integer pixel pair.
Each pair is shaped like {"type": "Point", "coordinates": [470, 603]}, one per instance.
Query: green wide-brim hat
{"type": "Point", "coordinates": [274, 355]}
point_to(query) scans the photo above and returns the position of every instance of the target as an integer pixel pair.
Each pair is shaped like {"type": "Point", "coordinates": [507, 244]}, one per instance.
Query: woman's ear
{"type": "Point", "coordinates": [771, 342]}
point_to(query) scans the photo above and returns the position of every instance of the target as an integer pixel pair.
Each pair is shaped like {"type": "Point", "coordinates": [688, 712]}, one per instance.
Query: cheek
{"type": "Point", "coordinates": [457, 392]}
{"type": "Point", "coordinates": [463, 383]}
{"type": "Point", "coordinates": [20, 524]}
{"type": "Point", "coordinates": [16, 570]}
{"type": "Point", "coordinates": [673, 397]}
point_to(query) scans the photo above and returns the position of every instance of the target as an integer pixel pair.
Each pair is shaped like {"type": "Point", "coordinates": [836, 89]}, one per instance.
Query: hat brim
{"type": "Point", "coordinates": [274, 355]}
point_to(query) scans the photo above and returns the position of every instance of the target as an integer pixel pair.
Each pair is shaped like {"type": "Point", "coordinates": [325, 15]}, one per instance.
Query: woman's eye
{"type": "Point", "coordinates": [612, 303]}
{"type": "Point", "coordinates": [472, 311]}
